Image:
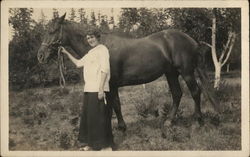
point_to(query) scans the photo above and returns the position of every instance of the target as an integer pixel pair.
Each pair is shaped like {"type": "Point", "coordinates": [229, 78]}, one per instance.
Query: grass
{"type": "Point", "coordinates": [48, 119]}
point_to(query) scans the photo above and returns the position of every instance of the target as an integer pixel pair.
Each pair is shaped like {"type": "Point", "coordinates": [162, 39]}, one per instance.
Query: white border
{"type": "Point", "coordinates": [117, 4]}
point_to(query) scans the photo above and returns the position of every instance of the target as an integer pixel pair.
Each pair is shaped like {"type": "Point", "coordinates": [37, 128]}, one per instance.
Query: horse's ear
{"type": "Point", "coordinates": [61, 19]}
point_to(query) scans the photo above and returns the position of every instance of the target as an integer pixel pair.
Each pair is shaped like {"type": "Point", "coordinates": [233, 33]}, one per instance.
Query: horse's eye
{"type": "Point", "coordinates": [52, 29]}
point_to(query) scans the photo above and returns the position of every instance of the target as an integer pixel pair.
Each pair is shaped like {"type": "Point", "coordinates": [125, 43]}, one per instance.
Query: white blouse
{"type": "Point", "coordinates": [95, 62]}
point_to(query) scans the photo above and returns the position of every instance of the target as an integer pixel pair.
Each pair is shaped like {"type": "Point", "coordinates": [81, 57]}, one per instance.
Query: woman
{"type": "Point", "coordinates": [95, 131]}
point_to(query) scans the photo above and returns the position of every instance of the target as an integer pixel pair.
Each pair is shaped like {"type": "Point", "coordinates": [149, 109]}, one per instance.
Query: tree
{"type": "Point", "coordinates": [128, 18]}
{"type": "Point", "coordinates": [104, 27]}
{"type": "Point", "coordinates": [93, 19]}
{"type": "Point", "coordinates": [82, 14]}
{"type": "Point", "coordinates": [162, 19]}
{"type": "Point", "coordinates": [99, 18]}
{"type": "Point", "coordinates": [111, 22]}
{"type": "Point", "coordinates": [22, 44]}
{"type": "Point", "coordinates": [72, 14]}
{"type": "Point", "coordinates": [221, 58]}
{"type": "Point", "coordinates": [21, 21]}
{"type": "Point", "coordinates": [143, 21]}
{"type": "Point", "coordinates": [55, 13]}
{"type": "Point", "coordinates": [193, 21]}
{"type": "Point", "coordinates": [147, 22]}
{"type": "Point", "coordinates": [42, 19]}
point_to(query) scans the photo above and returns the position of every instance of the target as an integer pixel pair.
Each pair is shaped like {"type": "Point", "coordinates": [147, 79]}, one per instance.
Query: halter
{"type": "Point", "coordinates": [61, 67]}
{"type": "Point", "coordinates": [57, 42]}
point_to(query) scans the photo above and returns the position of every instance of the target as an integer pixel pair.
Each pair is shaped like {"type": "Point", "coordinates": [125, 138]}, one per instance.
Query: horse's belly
{"type": "Point", "coordinates": [143, 70]}
{"type": "Point", "coordinates": [138, 79]}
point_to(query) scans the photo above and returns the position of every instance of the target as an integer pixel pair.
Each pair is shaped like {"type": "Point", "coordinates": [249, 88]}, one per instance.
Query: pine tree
{"type": "Point", "coordinates": [93, 19]}
{"type": "Point", "coordinates": [99, 18]}
{"type": "Point", "coordinates": [22, 46]}
{"type": "Point", "coordinates": [104, 27]}
{"type": "Point", "coordinates": [21, 21]}
{"type": "Point", "coordinates": [42, 19]}
{"type": "Point", "coordinates": [82, 14]}
{"type": "Point", "coordinates": [72, 14]}
{"type": "Point", "coordinates": [55, 13]}
{"type": "Point", "coordinates": [111, 23]}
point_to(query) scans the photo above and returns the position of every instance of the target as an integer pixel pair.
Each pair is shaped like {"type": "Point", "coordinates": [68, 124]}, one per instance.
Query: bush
{"type": "Point", "coordinates": [228, 92]}
{"type": "Point", "coordinates": [65, 140]}
{"type": "Point", "coordinates": [149, 101]}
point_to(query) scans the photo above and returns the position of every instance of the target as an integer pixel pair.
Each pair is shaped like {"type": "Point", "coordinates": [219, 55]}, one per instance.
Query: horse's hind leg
{"type": "Point", "coordinates": [176, 92]}
{"type": "Point", "coordinates": [114, 100]}
{"type": "Point", "coordinates": [196, 93]}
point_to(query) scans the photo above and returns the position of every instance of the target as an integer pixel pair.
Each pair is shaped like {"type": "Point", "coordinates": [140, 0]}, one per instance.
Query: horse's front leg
{"type": "Point", "coordinates": [114, 100]}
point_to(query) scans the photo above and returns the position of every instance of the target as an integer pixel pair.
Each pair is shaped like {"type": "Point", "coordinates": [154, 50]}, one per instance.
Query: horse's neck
{"type": "Point", "coordinates": [76, 43]}
{"type": "Point", "coordinates": [77, 46]}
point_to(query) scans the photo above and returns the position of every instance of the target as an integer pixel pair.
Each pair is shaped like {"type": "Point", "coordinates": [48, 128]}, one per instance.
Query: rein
{"type": "Point", "coordinates": [62, 68]}
{"type": "Point", "coordinates": [60, 58]}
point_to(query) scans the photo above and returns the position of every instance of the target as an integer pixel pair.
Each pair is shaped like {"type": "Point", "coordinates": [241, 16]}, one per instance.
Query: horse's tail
{"type": "Point", "coordinates": [205, 85]}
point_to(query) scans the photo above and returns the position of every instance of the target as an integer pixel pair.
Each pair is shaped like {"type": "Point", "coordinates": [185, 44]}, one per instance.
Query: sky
{"type": "Point", "coordinates": [48, 12]}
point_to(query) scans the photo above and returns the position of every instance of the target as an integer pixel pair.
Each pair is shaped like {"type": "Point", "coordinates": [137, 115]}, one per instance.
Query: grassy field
{"type": "Point", "coordinates": [47, 119]}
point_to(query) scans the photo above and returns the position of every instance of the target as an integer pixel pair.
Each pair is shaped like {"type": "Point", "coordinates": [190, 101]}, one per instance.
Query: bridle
{"type": "Point", "coordinates": [55, 45]}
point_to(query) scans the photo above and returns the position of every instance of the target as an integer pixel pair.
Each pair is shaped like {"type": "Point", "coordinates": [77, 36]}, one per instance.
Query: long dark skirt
{"type": "Point", "coordinates": [95, 125]}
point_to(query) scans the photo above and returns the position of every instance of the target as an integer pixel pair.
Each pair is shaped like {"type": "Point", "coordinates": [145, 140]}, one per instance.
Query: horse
{"type": "Point", "coordinates": [138, 61]}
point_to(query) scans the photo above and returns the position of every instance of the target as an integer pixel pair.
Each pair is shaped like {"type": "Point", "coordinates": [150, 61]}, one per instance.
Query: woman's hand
{"type": "Point", "coordinates": [101, 95]}
{"type": "Point", "coordinates": [63, 50]}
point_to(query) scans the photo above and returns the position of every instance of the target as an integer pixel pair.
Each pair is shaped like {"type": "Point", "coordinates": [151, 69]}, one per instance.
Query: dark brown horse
{"type": "Point", "coordinates": [138, 61]}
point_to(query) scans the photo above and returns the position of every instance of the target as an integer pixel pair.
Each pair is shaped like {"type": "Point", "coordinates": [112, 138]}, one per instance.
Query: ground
{"type": "Point", "coordinates": [47, 119]}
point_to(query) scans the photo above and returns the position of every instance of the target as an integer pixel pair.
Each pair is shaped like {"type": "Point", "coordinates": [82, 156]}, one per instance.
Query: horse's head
{"type": "Point", "coordinates": [53, 38]}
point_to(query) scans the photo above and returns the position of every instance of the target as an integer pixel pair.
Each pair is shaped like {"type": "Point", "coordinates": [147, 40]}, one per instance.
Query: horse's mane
{"type": "Point", "coordinates": [123, 34]}
{"type": "Point", "coordinates": [80, 28]}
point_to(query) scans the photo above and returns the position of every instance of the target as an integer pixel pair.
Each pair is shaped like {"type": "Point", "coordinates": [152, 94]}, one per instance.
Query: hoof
{"type": "Point", "coordinates": [215, 120]}
{"type": "Point", "coordinates": [122, 127]}
{"type": "Point", "coordinates": [163, 135]}
{"type": "Point", "coordinates": [199, 119]}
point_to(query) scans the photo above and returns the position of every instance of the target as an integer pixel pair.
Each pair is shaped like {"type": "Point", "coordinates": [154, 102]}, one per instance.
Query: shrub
{"type": "Point", "coordinates": [228, 92]}
{"type": "Point", "coordinates": [76, 101]}
{"type": "Point", "coordinates": [65, 140]}
{"type": "Point", "coordinates": [148, 101]}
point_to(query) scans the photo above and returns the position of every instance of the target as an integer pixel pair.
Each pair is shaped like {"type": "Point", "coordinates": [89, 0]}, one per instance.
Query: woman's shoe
{"type": "Point", "coordinates": [106, 149]}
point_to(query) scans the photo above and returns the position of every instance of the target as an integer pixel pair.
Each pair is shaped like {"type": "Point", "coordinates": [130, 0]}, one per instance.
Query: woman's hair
{"type": "Point", "coordinates": [94, 32]}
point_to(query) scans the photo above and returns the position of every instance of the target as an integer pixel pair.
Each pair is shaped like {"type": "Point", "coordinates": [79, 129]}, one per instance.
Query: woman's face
{"type": "Point", "coordinates": [92, 40]}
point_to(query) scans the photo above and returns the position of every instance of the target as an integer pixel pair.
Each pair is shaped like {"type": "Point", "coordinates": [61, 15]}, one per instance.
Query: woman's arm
{"type": "Point", "coordinates": [105, 69]}
{"type": "Point", "coordinates": [77, 62]}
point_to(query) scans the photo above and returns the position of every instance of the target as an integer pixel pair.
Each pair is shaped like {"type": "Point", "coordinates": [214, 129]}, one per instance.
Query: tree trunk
{"type": "Point", "coordinates": [223, 58]}
{"type": "Point", "coordinates": [217, 76]}
{"type": "Point", "coordinates": [217, 64]}
{"type": "Point", "coordinates": [228, 67]}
